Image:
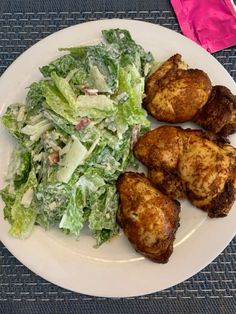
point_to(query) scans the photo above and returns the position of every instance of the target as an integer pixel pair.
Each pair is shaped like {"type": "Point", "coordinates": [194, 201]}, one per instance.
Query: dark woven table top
{"type": "Point", "coordinates": [213, 290]}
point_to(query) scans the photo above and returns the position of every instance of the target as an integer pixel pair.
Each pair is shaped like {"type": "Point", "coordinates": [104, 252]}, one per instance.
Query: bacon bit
{"type": "Point", "coordinates": [88, 91]}
{"type": "Point", "coordinates": [91, 91]}
{"type": "Point", "coordinates": [134, 135]}
{"type": "Point", "coordinates": [83, 122]}
{"type": "Point", "coordinates": [54, 158]}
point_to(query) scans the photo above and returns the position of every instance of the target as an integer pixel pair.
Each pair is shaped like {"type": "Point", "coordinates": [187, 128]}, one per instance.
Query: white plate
{"type": "Point", "coordinates": [115, 269]}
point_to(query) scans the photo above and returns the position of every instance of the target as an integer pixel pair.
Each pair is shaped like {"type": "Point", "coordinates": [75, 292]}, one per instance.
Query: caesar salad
{"type": "Point", "coordinates": [74, 135]}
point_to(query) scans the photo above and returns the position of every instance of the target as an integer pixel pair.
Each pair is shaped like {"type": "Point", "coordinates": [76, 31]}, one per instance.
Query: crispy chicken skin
{"type": "Point", "coordinates": [190, 163]}
{"type": "Point", "coordinates": [148, 218]}
{"type": "Point", "coordinates": [167, 182]}
{"type": "Point", "coordinates": [175, 93]}
{"type": "Point", "coordinates": [218, 115]}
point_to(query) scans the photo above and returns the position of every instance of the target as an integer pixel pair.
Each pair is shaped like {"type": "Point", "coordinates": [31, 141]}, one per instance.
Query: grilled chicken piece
{"type": "Point", "coordinates": [197, 164]}
{"type": "Point", "coordinates": [148, 218]}
{"type": "Point", "coordinates": [175, 93]}
{"type": "Point", "coordinates": [167, 182]}
{"type": "Point", "coordinates": [218, 115]}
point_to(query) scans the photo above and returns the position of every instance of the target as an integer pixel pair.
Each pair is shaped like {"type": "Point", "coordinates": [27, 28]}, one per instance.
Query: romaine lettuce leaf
{"type": "Point", "coordinates": [74, 217]}
{"type": "Point", "coordinates": [66, 90]}
{"type": "Point", "coordinates": [130, 51]}
{"type": "Point", "coordinates": [19, 167]}
{"type": "Point", "coordinates": [102, 66]}
{"type": "Point", "coordinates": [121, 124]}
{"type": "Point", "coordinates": [130, 111]}
{"type": "Point", "coordinates": [23, 213]}
{"type": "Point", "coordinates": [52, 200]}
{"type": "Point", "coordinates": [90, 181]}
{"type": "Point", "coordinates": [89, 135]}
{"type": "Point", "coordinates": [56, 102]}
{"type": "Point", "coordinates": [59, 122]}
{"type": "Point", "coordinates": [35, 99]}
{"type": "Point", "coordinates": [75, 157]}
{"type": "Point", "coordinates": [95, 107]}
{"type": "Point", "coordinates": [103, 212]}
{"type": "Point", "coordinates": [14, 119]}
{"type": "Point", "coordinates": [87, 186]}
{"type": "Point", "coordinates": [36, 130]}
{"type": "Point", "coordinates": [62, 66]}
{"type": "Point", "coordinates": [8, 198]}
{"type": "Point", "coordinates": [79, 76]}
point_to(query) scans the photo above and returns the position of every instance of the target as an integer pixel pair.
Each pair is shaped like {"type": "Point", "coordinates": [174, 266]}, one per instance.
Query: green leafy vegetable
{"type": "Point", "coordinates": [66, 90]}
{"type": "Point", "coordinates": [62, 66]}
{"type": "Point", "coordinates": [35, 130]}
{"type": "Point", "coordinates": [132, 84]}
{"type": "Point", "coordinates": [73, 219]}
{"type": "Point", "coordinates": [75, 135]}
{"type": "Point", "coordinates": [101, 64]}
{"type": "Point", "coordinates": [35, 99]}
{"type": "Point", "coordinates": [59, 122]}
{"type": "Point", "coordinates": [20, 166]}
{"type": "Point", "coordinates": [103, 209]}
{"type": "Point", "coordinates": [52, 201]}
{"type": "Point", "coordinates": [57, 102]}
{"type": "Point", "coordinates": [14, 120]}
{"type": "Point", "coordinates": [74, 157]}
{"type": "Point", "coordinates": [9, 200]}
{"type": "Point", "coordinates": [95, 107]}
{"type": "Point", "coordinates": [131, 53]}
{"type": "Point", "coordinates": [23, 213]}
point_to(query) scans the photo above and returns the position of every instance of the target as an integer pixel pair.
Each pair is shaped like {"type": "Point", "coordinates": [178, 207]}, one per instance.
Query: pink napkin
{"type": "Point", "coordinates": [210, 23]}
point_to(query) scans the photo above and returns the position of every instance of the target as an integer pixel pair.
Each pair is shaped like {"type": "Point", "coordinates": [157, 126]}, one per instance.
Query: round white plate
{"type": "Point", "coordinates": [115, 269]}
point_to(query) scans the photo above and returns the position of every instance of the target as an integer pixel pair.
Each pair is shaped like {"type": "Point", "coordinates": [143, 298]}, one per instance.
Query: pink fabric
{"type": "Point", "coordinates": [210, 23]}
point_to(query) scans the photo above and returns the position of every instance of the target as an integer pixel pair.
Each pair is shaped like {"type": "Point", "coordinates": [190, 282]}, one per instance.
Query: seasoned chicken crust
{"type": "Point", "coordinates": [190, 163]}
{"type": "Point", "coordinates": [218, 115]}
{"type": "Point", "coordinates": [148, 217]}
{"type": "Point", "coordinates": [175, 93]}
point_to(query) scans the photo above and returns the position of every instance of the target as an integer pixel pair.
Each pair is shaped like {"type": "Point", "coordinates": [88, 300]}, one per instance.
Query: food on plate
{"type": "Point", "coordinates": [175, 93]}
{"type": "Point", "coordinates": [218, 115]}
{"type": "Point", "coordinates": [74, 134]}
{"type": "Point", "coordinates": [167, 182]}
{"type": "Point", "coordinates": [191, 163]}
{"type": "Point", "coordinates": [148, 217]}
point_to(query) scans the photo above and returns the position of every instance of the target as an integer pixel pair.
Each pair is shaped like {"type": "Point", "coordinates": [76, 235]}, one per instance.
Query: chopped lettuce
{"type": "Point", "coordinates": [52, 200]}
{"type": "Point", "coordinates": [62, 66]}
{"type": "Point", "coordinates": [131, 53]}
{"type": "Point", "coordinates": [46, 154]}
{"type": "Point", "coordinates": [65, 89]}
{"type": "Point", "coordinates": [8, 198]}
{"type": "Point", "coordinates": [59, 122]}
{"type": "Point", "coordinates": [74, 157]}
{"type": "Point", "coordinates": [35, 99]}
{"type": "Point", "coordinates": [132, 84]}
{"type": "Point", "coordinates": [89, 135]}
{"type": "Point", "coordinates": [101, 64]}
{"type": "Point", "coordinates": [75, 134]}
{"type": "Point", "coordinates": [20, 166]}
{"type": "Point", "coordinates": [35, 130]}
{"type": "Point", "coordinates": [56, 101]}
{"type": "Point", "coordinates": [73, 219]}
{"type": "Point", "coordinates": [103, 209]}
{"type": "Point", "coordinates": [14, 119]}
{"type": "Point", "coordinates": [23, 211]}
{"type": "Point", "coordinates": [95, 107]}
{"type": "Point", "coordinates": [17, 177]}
